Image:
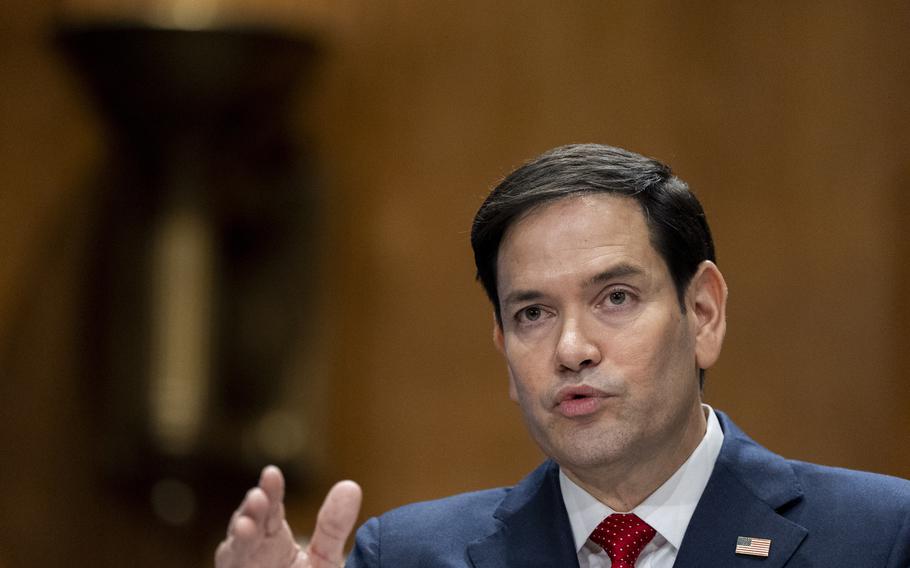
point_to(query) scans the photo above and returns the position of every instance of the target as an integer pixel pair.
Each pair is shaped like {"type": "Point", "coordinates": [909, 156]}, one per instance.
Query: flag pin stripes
{"type": "Point", "coordinates": [753, 546]}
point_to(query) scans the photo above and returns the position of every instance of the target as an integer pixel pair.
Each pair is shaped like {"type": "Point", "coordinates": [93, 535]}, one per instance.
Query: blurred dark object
{"type": "Point", "coordinates": [206, 213]}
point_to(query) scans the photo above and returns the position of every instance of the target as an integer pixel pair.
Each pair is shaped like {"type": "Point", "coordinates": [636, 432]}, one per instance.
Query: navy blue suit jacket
{"type": "Point", "coordinates": [814, 516]}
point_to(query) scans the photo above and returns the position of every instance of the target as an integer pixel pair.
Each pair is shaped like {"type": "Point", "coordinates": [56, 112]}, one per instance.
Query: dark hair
{"type": "Point", "coordinates": [676, 221]}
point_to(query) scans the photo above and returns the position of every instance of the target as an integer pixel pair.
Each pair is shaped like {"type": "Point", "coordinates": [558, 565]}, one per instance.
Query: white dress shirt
{"type": "Point", "coordinates": [668, 510]}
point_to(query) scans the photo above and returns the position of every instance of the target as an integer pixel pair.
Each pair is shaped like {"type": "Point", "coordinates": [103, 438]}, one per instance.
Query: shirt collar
{"type": "Point", "coordinates": [668, 510]}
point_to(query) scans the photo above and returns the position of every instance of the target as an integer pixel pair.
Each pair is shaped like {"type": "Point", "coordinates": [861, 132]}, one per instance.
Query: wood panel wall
{"type": "Point", "coordinates": [790, 121]}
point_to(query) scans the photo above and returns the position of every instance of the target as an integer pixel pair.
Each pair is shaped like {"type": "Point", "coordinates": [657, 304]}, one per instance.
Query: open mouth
{"type": "Point", "coordinates": [579, 400]}
{"type": "Point", "coordinates": [578, 392]}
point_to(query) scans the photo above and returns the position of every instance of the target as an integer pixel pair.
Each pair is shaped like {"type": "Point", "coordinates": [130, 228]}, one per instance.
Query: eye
{"type": "Point", "coordinates": [618, 300]}
{"type": "Point", "coordinates": [618, 297]}
{"type": "Point", "coordinates": [531, 313]}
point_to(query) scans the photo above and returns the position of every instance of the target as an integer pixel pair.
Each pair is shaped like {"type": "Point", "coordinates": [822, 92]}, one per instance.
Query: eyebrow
{"type": "Point", "coordinates": [519, 296]}
{"type": "Point", "coordinates": [618, 271]}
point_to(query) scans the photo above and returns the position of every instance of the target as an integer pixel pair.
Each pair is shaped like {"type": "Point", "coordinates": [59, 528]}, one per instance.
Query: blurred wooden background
{"type": "Point", "coordinates": [789, 120]}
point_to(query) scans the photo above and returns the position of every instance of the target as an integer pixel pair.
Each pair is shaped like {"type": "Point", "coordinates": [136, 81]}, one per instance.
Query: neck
{"type": "Point", "coordinates": [623, 485]}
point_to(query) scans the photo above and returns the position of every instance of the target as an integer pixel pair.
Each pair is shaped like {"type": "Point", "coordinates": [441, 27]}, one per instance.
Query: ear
{"type": "Point", "coordinates": [707, 300]}
{"type": "Point", "coordinates": [499, 341]}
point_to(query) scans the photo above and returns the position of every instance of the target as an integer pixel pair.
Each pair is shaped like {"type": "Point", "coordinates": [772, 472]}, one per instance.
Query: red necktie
{"type": "Point", "coordinates": [623, 536]}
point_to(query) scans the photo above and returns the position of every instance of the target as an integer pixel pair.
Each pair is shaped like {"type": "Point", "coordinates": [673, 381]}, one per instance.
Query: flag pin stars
{"type": "Point", "coordinates": [752, 546]}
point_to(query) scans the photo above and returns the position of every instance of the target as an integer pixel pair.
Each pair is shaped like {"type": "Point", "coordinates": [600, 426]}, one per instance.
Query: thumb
{"type": "Point", "coordinates": [334, 524]}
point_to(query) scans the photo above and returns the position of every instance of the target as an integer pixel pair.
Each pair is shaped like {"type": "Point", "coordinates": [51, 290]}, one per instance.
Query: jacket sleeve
{"type": "Point", "coordinates": [366, 546]}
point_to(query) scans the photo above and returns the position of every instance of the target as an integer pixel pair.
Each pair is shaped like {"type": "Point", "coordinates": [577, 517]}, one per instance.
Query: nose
{"type": "Point", "coordinates": [576, 349]}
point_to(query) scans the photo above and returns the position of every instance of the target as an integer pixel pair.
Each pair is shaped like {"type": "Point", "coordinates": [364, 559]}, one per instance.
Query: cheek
{"type": "Point", "coordinates": [526, 360]}
{"type": "Point", "coordinates": [638, 350]}
{"type": "Point", "coordinates": [527, 379]}
{"type": "Point", "coordinates": [521, 385]}
{"type": "Point", "coordinates": [656, 354]}
{"type": "Point", "coordinates": [513, 389]}
{"type": "Point", "coordinates": [676, 363]}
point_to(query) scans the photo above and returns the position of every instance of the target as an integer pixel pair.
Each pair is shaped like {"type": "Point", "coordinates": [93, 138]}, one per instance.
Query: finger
{"type": "Point", "coordinates": [241, 516]}
{"type": "Point", "coordinates": [245, 530]}
{"type": "Point", "coordinates": [271, 480]}
{"type": "Point", "coordinates": [272, 483]}
{"type": "Point", "coordinates": [224, 555]}
{"type": "Point", "coordinates": [234, 550]}
{"type": "Point", "coordinates": [237, 514]}
{"type": "Point", "coordinates": [250, 517]}
{"type": "Point", "coordinates": [334, 523]}
{"type": "Point", "coordinates": [233, 521]}
{"type": "Point", "coordinates": [248, 527]}
{"type": "Point", "coordinates": [231, 554]}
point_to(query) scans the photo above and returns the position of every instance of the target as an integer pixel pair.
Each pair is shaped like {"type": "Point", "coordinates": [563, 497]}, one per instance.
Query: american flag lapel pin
{"type": "Point", "coordinates": [752, 546]}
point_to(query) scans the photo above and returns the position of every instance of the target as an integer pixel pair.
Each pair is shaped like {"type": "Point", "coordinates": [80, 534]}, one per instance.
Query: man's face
{"type": "Point", "coordinates": [601, 358]}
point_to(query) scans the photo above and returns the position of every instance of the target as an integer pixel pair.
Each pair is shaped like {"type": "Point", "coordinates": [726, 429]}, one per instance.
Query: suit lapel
{"type": "Point", "coordinates": [534, 529]}
{"type": "Point", "coordinates": [747, 490]}
{"type": "Point", "coordinates": [748, 486]}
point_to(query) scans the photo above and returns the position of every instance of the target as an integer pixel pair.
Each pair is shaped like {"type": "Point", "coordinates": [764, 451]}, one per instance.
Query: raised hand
{"type": "Point", "coordinates": [259, 536]}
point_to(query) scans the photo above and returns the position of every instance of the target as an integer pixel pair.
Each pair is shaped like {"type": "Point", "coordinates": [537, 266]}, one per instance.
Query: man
{"type": "Point", "coordinates": [608, 310]}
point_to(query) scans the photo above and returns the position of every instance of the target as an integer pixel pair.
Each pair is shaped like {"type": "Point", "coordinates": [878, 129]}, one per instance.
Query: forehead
{"type": "Point", "coordinates": [586, 220]}
{"type": "Point", "coordinates": [573, 240]}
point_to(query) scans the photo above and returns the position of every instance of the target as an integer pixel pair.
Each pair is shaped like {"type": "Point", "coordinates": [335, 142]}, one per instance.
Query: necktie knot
{"type": "Point", "coordinates": [623, 536]}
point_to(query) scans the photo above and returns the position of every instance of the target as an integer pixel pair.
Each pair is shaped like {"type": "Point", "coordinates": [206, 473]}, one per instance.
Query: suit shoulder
{"type": "Point", "coordinates": [778, 480]}
{"type": "Point", "coordinates": [846, 510]}
{"type": "Point", "coordinates": [848, 499]}
{"type": "Point", "coordinates": [853, 485]}
{"type": "Point", "coordinates": [421, 534]}
{"type": "Point", "coordinates": [472, 507]}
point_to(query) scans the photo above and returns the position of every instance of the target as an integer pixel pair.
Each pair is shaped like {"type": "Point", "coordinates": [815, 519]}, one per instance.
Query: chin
{"type": "Point", "coordinates": [586, 451]}
{"type": "Point", "coordinates": [593, 458]}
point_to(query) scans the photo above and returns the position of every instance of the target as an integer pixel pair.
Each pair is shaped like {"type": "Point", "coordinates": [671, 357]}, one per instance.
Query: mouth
{"type": "Point", "coordinates": [578, 392]}
{"type": "Point", "coordinates": [577, 401]}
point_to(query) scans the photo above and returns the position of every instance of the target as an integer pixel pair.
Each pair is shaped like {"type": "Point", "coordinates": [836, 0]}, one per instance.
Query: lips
{"type": "Point", "coordinates": [581, 400]}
